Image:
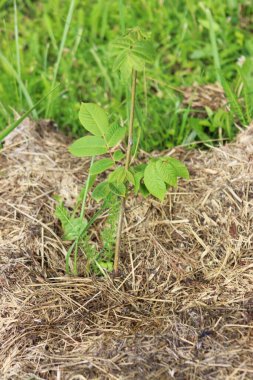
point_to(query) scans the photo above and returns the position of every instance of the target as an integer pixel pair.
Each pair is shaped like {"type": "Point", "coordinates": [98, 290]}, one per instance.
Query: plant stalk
{"type": "Point", "coordinates": [127, 165]}
{"type": "Point", "coordinates": [87, 184]}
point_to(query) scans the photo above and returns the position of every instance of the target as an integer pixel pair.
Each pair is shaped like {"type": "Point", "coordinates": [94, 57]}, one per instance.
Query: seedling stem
{"type": "Point", "coordinates": [127, 165]}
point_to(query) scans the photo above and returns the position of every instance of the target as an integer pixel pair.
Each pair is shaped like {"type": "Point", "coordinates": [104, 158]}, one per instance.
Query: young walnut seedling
{"type": "Point", "coordinates": [133, 52]}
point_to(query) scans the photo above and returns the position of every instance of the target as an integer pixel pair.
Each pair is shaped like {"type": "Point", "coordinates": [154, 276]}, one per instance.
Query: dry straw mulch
{"type": "Point", "coordinates": [183, 305]}
{"type": "Point", "coordinates": [198, 97]}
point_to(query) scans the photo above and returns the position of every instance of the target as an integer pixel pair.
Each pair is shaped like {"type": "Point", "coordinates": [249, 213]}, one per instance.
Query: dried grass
{"type": "Point", "coordinates": [183, 306]}
{"type": "Point", "coordinates": [198, 97]}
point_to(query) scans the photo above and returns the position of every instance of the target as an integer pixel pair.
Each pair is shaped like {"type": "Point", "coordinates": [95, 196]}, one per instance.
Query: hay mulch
{"type": "Point", "coordinates": [183, 305]}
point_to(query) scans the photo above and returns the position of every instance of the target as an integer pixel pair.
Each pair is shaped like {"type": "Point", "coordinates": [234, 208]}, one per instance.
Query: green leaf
{"type": "Point", "coordinates": [118, 155]}
{"type": "Point", "coordinates": [61, 212]}
{"type": "Point", "coordinates": [72, 227]}
{"type": "Point", "coordinates": [107, 265]}
{"type": "Point", "coordinates": [92, 181]}
{"type": "Point", "coordinates": [134, 44]}
{"type": "Point", "coordinates": [169, 169]}
{"type": "Point", "coordinates": [118, 188]}
{"type": "Point", "coordinates": [144, 50]}
{"type": "Point", "coordinates": [135, 62]}
{"type": "Point", "coordinates": [120, 59]}
{"type": "Point", "coordinates": [144, 191]}
{"type": "Point", "coordinates": [118, 175]}
{"type": "Point", "coordinates": [166, 172]}
{"type": "Point", "coordinates": [180, 168]}
{"type": "Point", "coordinates": [125, 71]}
{"type": "Point", "coordinates": [153, 181]}
{"type": "Point", "coordinates": [94, 119]}
{"type": "Point", "coordinates": [234, 103]}
{"type": "Point", "coordinates": [115, 135]}
{"type": "Point", "coordinates": [101, 191]}
{"type": "Point", "coordinates": [138, 172]}
{"type": "Point", "coordinates": [88, 146]}
{"type": "Point", "coordinates": [130, 177]}
{"type": "Point", "coordinates": [101, 166]}
{"type": "Point", "coordinates": [132, 51]}
{"type": "Point", "coordinates": [197, 126]}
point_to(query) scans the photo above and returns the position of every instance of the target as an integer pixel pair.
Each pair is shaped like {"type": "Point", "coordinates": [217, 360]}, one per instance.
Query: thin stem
{"type": "Point", "coordinates": [131, 121]}
{"type": "Point", "coordinates": [118, 236]}
{"type": "Point", "coordinates": [127, 164]}
{"type": "Point", "coordinates": [75, 271]}
{"type": "Point", "coordinates": [87, 184]}
{"type": "Point", "coordinates": [76, 242]}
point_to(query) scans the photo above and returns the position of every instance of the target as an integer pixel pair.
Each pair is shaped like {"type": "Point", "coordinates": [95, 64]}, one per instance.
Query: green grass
{"type": "Point", "coordinates": [66, 42]}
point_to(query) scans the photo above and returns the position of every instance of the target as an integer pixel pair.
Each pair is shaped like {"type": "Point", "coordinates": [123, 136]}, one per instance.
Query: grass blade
{"type": "Point", "coordinates": [4, 111]}
{"type": "Point", "coordinates": [68, 257]}
{"type": "Point", "coordinates": [23, 88]}
{"type": "Point", "coordinates": [17, 46]}
{"type": "Point", "coordinates": [247, 98]}
{"type": "Point", "coordinates": [59, 56]}
{"type": "Point", "coordinates": [102, 68]}
{"type": "Point", "coordinates": [213, 41]}
{"type": "Point", "coordinates": [234, 104]}
{"type": "Point", "coordinates": [122, 17]}
{"type": "Point", "coordinates": [16, 123]}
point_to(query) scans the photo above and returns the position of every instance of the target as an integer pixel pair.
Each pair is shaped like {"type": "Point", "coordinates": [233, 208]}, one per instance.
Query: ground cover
{"type": "Point", "coordinates": [182, 304]}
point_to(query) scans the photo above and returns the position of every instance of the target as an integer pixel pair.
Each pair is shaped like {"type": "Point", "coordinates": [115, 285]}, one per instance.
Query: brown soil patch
{"type": "Point", "coordinates": [183, 306]}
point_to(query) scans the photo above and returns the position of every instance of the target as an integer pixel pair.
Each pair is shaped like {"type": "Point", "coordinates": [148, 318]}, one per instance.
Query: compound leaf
{"type": "Point", "coordinates": [144, 50]}
{"type": "Point", "coordinates": [132, 51]}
